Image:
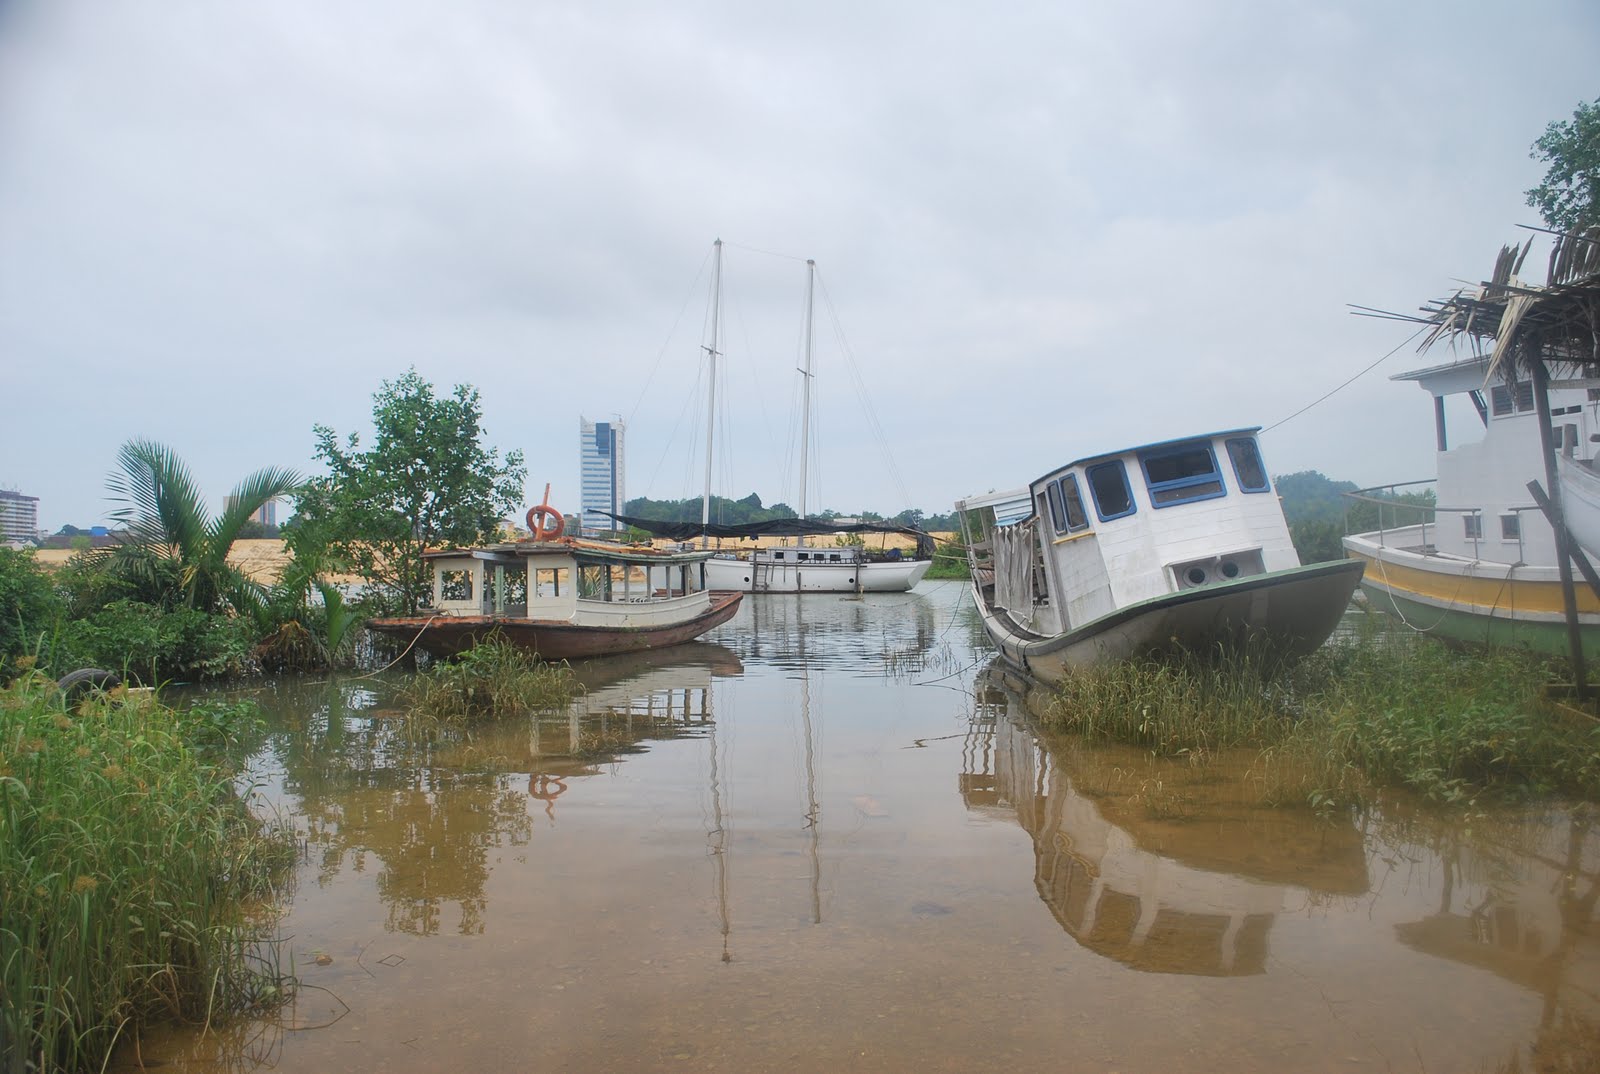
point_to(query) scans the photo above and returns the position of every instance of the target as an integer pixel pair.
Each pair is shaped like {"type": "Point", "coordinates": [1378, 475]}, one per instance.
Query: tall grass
{"type": "Point", "coordinates": [126, 862]}
{"type": "Point", "coordinates": [1372, 709]}
{"type": "Point", "coordinates": [493, 678]}
{"type": "Point", "coordinates": [949, 561]}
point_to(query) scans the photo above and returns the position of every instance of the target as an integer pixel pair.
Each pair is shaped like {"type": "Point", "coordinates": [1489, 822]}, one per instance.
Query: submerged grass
{"type": "Point", "coordinates": [1372, 709]}
{"type": "Point", "coordinates": [493, 678]}
{"type": "Point", "coordinates": [127, 860]}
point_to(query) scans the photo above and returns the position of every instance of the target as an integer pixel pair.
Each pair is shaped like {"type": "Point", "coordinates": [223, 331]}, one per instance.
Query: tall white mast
{"type": "Point", "coordinates": [711, 394]}
{"type": "Point", "coordinates": [805, 397]}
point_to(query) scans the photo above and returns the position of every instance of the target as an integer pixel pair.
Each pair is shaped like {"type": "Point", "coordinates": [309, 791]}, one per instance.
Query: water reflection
{"type": "Point", "coordinates": [779, 853]}
{"type": "Point", "coordinates": [874, 634]}
{"type": "Point", "coordinates": [1192, 895]}
{"type": "Point", "coordinates": [426, 818]}
{"type": "Point", "coordinates": [1520, 902]}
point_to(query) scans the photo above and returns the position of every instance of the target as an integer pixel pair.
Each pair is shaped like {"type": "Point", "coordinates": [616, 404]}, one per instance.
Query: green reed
{"type": "Point", "coordinates": [493, 678]}
{"type": "Point", "coordinates": [1373, 709]}
{"type": "Point", "coordinates": [127, 862]}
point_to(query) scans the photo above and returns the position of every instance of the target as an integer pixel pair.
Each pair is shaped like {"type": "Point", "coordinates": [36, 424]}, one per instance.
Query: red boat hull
{"type": "Point", "coordinates": [552, 639]}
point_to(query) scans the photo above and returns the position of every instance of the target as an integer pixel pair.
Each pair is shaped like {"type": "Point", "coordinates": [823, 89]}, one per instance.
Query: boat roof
{"type": "Point", "coordinates": [1477, 362]}
{"type": "Point", "coordinates": [1247, 431]}
{"type": "Point", "coordinates": [992, 499]}
{"type": "Point", "coordinates": [512, 551]}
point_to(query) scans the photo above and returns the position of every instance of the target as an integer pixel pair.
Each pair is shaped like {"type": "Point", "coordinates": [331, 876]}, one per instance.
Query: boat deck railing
{"type": "Point", "coordinates": [1383, 496]}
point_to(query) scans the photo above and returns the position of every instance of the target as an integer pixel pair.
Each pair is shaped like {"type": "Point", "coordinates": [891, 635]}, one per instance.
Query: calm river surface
{"type": "Point", "coordinates": [829, 837]}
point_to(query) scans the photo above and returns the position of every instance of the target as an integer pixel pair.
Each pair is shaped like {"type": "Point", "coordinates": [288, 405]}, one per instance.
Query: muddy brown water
{"type": "Point", "coordinates": [832, 837]}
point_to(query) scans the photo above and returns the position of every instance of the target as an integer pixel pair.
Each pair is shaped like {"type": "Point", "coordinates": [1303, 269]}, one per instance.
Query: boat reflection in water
{"type": "Point", "coordinates": [1520, 900]}
{"type": "Point", "coordinates": [872, 636]}
{"type": "Point", "coordinates": [1124, 876]}
{"type": "Point", "coordinates": [625, 701]}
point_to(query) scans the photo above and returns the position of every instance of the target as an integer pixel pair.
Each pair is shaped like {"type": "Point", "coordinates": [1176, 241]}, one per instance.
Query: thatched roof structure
{"type": "Point", "coordinates": [1557, 323]}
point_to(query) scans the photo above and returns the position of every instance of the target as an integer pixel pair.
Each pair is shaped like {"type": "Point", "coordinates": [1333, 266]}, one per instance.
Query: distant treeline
{"type": "Point", "coordinates": [1319, 513]}
{"type": "Point", "coordinates": [1316, 507]}
{"type": "Point", "coordinates": [750, 509]}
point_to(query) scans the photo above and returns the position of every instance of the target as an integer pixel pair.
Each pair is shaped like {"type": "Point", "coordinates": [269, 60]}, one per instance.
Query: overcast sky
{"type": "Point", "coordinates": [1043, 229]}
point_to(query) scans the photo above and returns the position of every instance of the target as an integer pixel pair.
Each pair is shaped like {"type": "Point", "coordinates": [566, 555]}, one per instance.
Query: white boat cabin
{"type": "Point", "coordinates": [1484, 509]}
{"type": "Point", "coordinates": [1107, 531]}
{"type": "Point", "coordinates": [568, 581]}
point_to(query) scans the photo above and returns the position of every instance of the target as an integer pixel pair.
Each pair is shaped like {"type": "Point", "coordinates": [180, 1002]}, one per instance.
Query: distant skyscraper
{"type": "Point", "coordinates": [600, 472]}
{"type": "Point", "coordinates": [19, 517]}
{"type": "Point", "coordinates": [266, 514]}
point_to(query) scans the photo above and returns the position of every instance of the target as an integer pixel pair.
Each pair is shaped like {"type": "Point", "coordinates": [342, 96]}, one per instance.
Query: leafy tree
{"type": "Point", "coordinates": [173, 553]}
{"type": "Point", "coordinates": [724, 512]}
{"type": "Point", "coordinates": [29, 608]}
{"type": "Point", "coordinates": [1569, 197]}
{"type": "Point", "coordinates": [426, 481]}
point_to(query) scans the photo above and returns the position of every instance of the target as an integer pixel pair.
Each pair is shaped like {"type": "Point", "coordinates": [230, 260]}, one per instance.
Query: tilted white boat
{"type": "Point", "coordinates": [1178, 545]}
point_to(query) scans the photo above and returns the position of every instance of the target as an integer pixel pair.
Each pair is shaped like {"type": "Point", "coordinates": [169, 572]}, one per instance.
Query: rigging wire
{"type": "Point", "coordinates": [667, 342]}
{"type": "Point", "coordinates": [873, 423]}
{"type": "Point", "coordinates": [1347, 383]}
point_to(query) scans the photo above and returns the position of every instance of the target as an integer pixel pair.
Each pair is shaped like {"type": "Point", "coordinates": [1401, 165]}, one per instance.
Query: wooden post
{"type": "Point", "coordinates": [1585, 568]}
{"type": "Point", "coordinates": [1558, 518]}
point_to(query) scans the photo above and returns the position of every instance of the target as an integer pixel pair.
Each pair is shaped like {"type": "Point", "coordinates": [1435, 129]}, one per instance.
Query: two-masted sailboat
{"type": "Point", "coordinates": [840, 567]}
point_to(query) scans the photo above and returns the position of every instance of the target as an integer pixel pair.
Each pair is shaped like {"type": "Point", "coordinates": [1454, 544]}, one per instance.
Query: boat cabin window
{"type": "Point", "coordinates": [594, 581]}
{"type": "Point", "coordinates": [1066, 505]}
{"type": "Point", "coordinates": [1511, 527]}
{"type": "Point", "coordinates": [777, 555]}
{"type": "Point", "coordinates": [550, 582]}
{"type": "Point", "coordinates": [1511, 399]}
{"type": "Point", "coordinates": [1472, 526]}
{"type": "Point", "coordinates": [833, 557]}
{"type": "Point", "coordinates": [802, 556]}
{"type": "Point", "coordinates": [1108, 482]}
{"type": "Point", "coordinates": [1181, 473]}
{"type": "Point", "coordinates": [455, 585]}
{"type": "Point", "coordinates": [1247, 467]}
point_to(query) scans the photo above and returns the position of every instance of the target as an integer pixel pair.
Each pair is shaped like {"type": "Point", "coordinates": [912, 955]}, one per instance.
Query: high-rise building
{"type": "Point", "coordinates": [600, 472]}
{"type": "Point", "coordinates": [19, 517]}
{"type": "Point", "coordinates": [266, 514]}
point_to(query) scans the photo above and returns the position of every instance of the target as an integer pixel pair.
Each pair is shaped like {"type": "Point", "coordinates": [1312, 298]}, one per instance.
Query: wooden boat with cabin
{"type": "Point", "coordinates": [564, 598]}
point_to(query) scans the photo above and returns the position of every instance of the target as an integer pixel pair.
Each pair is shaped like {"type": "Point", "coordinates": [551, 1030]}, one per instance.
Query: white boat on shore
{"type": "Point", "coordinates": [1483, 569]}
{"type": "Point", "coordinates": [1179, 545]}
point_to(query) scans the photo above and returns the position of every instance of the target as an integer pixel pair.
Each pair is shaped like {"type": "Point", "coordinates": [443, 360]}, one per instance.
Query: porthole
{"type": "Point", "coordinates": [1230, 569]}
{"type": "Point", "coordinates": [1197, 576]}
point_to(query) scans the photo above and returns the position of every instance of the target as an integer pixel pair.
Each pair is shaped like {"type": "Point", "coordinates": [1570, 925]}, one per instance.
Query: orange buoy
{"type": "Point", "coordinates": [544, 521]}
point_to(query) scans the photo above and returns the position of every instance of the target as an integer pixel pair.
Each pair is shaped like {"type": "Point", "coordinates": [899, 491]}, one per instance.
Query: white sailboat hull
{"type": "Point", "coordinates": [1580, 502]}
{"type": "Point", "coordinates": [765, 575]}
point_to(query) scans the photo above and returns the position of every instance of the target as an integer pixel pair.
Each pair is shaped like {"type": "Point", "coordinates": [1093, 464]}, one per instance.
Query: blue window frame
{"type": "Point", "coordinates": [1072, 504]}
{"type": "Point", "coordinates": [1108, 483]}
{"type": "Point", "coordinates": [1058, 517]}
{"type": "Point", "coordinates": [1182, 473]}
{"type": "Point", "coordinates": [1247, 465]}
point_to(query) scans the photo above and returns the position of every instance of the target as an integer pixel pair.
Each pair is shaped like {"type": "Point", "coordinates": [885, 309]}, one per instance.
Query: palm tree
{"type": "Point", "coordinates": [171, 548]}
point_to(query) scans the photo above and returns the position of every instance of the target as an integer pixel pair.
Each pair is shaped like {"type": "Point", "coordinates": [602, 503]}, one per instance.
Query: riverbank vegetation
{"type": "Point", "coordinates": [493, 678]}
{"type": "Point", "coordinates": [128, 867]}
{"type": "Point", "coordinates": [949, 561]}
{"type": "Point", "coordinates": [1370, 710]}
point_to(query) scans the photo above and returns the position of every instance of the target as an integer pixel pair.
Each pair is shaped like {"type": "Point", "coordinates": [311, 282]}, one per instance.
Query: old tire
{"type": "Point", "coordinates": [77, 684]}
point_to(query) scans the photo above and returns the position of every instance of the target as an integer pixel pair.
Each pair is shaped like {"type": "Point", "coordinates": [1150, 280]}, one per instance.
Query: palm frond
{"type": "Point", "coordinates": [162, 502]}
{"type": "Point", "coordinates": [248, 497]}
